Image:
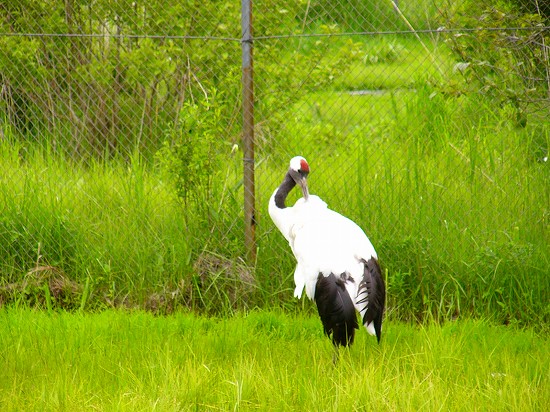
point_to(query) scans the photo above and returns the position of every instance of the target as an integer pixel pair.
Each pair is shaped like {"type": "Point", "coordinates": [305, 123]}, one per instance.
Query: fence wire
{"type": "Point", "coordinates": [121, 142]}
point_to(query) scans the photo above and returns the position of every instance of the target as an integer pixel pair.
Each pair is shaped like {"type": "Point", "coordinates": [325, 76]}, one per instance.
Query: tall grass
{"type": "Point", "coordinates": [265, 360]}
{"type": "Point", "coordinates": [368, 15]}
{"type": "Point", "coordinates": [451, 192]}
{"type": "Point", "coordinates": [107, 223]}
{"type": "Point", "coordinates": [453, 196]}
{"type": "Point", "coordinates": [115, 233]}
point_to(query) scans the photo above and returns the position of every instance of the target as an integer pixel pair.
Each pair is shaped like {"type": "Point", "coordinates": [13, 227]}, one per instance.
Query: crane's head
{"type": "Point", "coordinates": [299, 169]}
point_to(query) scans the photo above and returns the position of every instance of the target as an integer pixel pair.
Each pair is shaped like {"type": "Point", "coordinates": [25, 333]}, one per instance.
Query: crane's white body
{"type": "Point", "coordinates": [324, 242]}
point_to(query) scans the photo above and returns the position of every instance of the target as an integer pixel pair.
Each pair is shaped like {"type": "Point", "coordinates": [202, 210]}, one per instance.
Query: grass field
{"type": "Point", "coordinates": [133, 361]}
{"type": "Point", "coordinates": [450, 187]}
{"type": "Point", "coordinates": [112, 256]}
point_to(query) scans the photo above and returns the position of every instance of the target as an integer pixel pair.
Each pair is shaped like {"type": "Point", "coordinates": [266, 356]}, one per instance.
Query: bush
{"type": "Point", "coordinates": [503, 53]}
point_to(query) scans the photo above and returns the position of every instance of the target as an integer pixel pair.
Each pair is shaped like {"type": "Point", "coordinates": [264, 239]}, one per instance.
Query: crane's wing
{"type": "Point", "coordinates": [323, 241]}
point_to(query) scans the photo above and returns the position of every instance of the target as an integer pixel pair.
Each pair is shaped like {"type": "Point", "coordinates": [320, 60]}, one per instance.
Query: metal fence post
{"type": "Point", "coordinates": [248, 131]}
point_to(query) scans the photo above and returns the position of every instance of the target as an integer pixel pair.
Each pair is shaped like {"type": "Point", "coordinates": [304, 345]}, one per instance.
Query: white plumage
{"type": "Point", "coordinates": [334, 259]}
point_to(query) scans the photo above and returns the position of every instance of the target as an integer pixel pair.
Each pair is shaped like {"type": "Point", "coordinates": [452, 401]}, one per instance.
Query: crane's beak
{"type": "Point", "coordinates": [303, 184]}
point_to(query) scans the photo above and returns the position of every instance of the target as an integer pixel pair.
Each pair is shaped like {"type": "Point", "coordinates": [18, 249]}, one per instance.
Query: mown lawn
{"type": "Point", "coordinates": [134, 361]}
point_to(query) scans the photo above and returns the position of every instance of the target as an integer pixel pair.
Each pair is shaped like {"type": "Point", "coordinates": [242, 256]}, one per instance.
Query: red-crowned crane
{"type": "Point", "coordinates": [336, 262]}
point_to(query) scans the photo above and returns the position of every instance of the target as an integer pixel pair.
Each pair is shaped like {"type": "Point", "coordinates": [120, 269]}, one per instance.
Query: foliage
{"type": "Point", "coordinates": [190, 154]}
{"type": "Point", "coordinates": [533, 7]}
{"type": "Point", "coordinates": [194, 160]}
{"type": "Point", "coordinates": [505, 55]}
{"type": "Point", "coordinates": [114, 92]}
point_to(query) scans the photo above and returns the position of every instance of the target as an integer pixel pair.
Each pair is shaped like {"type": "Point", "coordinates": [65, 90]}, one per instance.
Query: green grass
{"type": "Point", "coordinates": [117, 360]}
{"type": "Point", "coordinates": [369, 15]}
{"type": "Point", "coordinates": [398, 62]}
{"type": "Point", "coordinates": [448, 185]}
{"type": "Point", "coordinates": [450, 188]}
{"type": "Point", "coordinates": [113, 233]}
{"type": "Point", "coordinates": [452, 194]}
{"type": "Point", "coordinates": [106, 223]}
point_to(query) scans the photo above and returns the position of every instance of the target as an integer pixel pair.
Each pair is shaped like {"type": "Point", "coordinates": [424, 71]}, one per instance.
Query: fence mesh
{"type": "Point", "coordinates": [122, 157]}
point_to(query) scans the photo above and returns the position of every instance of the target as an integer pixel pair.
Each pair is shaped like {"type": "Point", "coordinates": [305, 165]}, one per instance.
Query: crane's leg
{"type": "Point", "coordinates": [335, 355]}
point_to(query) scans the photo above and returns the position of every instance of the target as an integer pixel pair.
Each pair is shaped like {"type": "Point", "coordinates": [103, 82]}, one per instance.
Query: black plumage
{"type": "Point", "coordinates": [336, 309]}
{"type": "Point", "coordinates": [373, 284]}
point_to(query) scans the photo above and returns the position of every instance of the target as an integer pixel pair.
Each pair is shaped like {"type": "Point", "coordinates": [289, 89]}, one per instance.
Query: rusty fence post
{"type": "Point", "coordinates": [248, 131]}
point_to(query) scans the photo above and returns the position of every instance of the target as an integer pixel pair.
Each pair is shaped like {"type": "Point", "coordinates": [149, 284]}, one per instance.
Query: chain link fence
{"type": "Point", "coordinates": [122, 150]}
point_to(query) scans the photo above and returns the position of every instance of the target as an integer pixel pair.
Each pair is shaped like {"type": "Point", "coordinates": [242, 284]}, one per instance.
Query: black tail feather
{"type": "Point", "coordinates": [376, 294]}
{"type": "Point", "coordinates": [336, 309]}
